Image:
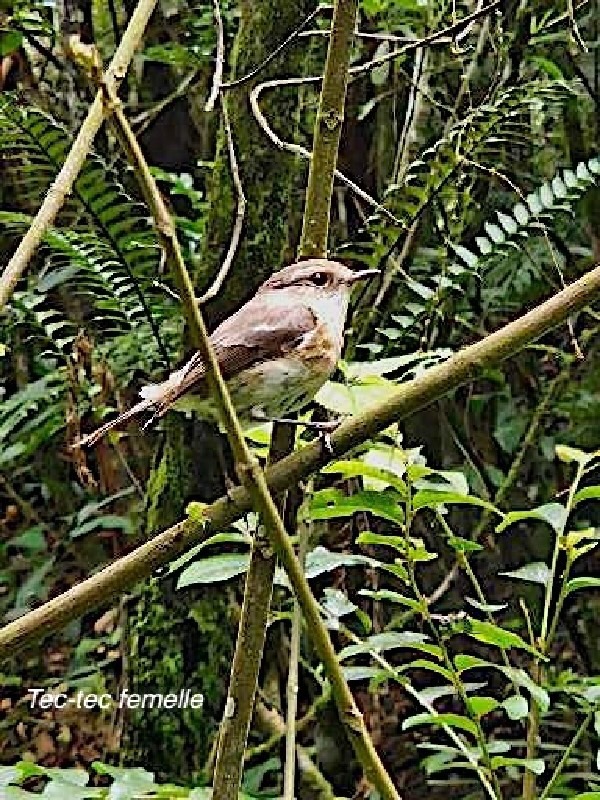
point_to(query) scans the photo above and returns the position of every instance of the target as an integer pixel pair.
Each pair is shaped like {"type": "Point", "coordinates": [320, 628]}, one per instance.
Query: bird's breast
{"type": "Point", "coordinates": [282, 385]}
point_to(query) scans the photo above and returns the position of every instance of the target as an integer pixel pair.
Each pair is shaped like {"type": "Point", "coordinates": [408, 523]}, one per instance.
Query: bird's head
{"type": "Point", "coordinates": [317, 277]}
{"type": "Point", "coordinates": [321, 285]}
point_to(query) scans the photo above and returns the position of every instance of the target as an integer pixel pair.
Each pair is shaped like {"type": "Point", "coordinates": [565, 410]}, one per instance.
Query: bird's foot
{"type": "Point", "coordinates": [323, 429]}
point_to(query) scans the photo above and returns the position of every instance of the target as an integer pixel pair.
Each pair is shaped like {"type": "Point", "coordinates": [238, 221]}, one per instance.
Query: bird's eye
{"type": "Point", "coordinates": [320, 278]}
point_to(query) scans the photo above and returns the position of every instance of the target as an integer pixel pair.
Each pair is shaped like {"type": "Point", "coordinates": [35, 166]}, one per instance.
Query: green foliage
{"type": "Point", "coordinates": [126, 783]}
{"type": "Point", "coordinates": [496, 176]}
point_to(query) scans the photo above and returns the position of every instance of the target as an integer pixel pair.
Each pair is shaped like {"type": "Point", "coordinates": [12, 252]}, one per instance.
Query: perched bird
{"type": "Point", "coordinates": [275, 352]}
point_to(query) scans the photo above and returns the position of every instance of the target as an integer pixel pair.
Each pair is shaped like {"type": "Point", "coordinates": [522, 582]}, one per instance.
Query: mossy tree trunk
{"type": "Point", "coordinates": [180, 640]}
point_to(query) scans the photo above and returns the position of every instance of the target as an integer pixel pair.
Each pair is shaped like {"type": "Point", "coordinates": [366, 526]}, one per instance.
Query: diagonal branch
{"type": "Point", "coordinates": [465, 366]}
{"type": "Point", "coordinates": [63, 183]}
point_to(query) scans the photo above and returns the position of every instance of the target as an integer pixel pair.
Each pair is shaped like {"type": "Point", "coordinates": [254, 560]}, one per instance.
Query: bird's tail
{"type": "Point", "coordinates": [93, 437]}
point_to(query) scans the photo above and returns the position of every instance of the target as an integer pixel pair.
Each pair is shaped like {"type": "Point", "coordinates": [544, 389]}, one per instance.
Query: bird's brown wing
{"type": "Point", "coordinates": [259, 331]}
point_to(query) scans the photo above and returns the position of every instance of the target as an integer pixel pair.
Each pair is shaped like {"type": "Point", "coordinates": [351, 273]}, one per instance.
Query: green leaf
{"type": "Point", "coordinates": [553, 513]}
{"type": "Point", "coordinates": [429, 499]}
{"type": "Point", "coordinates": [356, 467]}
{"type": "Point", "coordinates": [537, 572]}
{"type": "Point", "coordinates": [548, 67]}
{"type": "Point", "coordinates": [393, 597]}
{"type": "Point", "coordinates": [570, 454]}
{"type": "Point", "coordinates": [377, 674]}
{"type": "Point", "coordinates": [214, 569]}
{"type": "Point", "coordinates": [535, 765]}
{"type": "Point", "coordinates": [453, 481]}
{"type": "Point", "coordinates": [332, 503]}
{"type": "Point", "coordinates": [11, 452]}
{"type": "Point", "coordinates": [487, 608]}
{"type": "Point", "coordinates": [519, 677]}
{"type": "Point", "coordinates": [516, 707]}
{"type": "Point", "coordinates": [336, 604]}
{"type": "Point", "coordinates": [380, 539]}
{"type": "Point", "coordinates": [463, 545]}
{"type": "Point", "coordinates": [431, 666]}
{"type": "Point", "coordinates": [10, 41]}
{"type": "Point", "coordinates": [350, 399]}
{"type": "Point", "coordinates": [391, 640]}
{"type": "Point", "coordinates": [31, 539]}
{"type": "Point", "coordinates": [587, 796]}
{"type": "Point", "coordinates": [480, 706]}
{"type": "Point", "coordinates": [488, 633]}
{"type": "Point", "coordinates": [227, 537]}
{"type": "Point", "coordinates": [322, 560]}
{"type": "Point", "coordinates": [380, 73]}
{"type": "Point", "coordinates": [452, 720]}
{"type": "Point", "coordinates": [587, 493]}
{"type": "Point", "coordinates": [575, 584]}
{"type": "Point", "coordinates": [463, 662]}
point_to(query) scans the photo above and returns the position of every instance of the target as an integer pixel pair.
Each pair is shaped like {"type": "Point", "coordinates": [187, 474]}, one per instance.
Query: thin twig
{"type": "Point", "coordinates": [433, 38]}
{"type": "Point", "coordinates": [299, 150]}
{"type": "Point", "coordinates": [220, 59]}
{"type": "Point", "coordinates": [240, 211]}
{"type": "Point", "coordinates": [289, 770]}
{"type": "Point", "coordinates": [279, 49]}
{"type": "Point", "coordinates": [143, 120]}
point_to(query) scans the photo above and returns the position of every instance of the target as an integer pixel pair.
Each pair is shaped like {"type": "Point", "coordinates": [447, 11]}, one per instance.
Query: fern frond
{"type": "Point", "coordinates": [509, 232]}
{"type": "Point", "coordinates": [35, 146]}
{"type": "Point", "coordinates": [85, 266]}
{"type": "Point", "coordinates": [488, 125]}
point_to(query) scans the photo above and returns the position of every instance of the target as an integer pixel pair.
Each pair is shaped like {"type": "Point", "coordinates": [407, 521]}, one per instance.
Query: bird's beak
{"type": "Point", "coordinates": [362, 275]}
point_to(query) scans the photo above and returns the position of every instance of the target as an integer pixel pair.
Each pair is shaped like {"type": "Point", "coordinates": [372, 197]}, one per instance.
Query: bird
{"type": "Point", "coordinates": [275, 352]}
